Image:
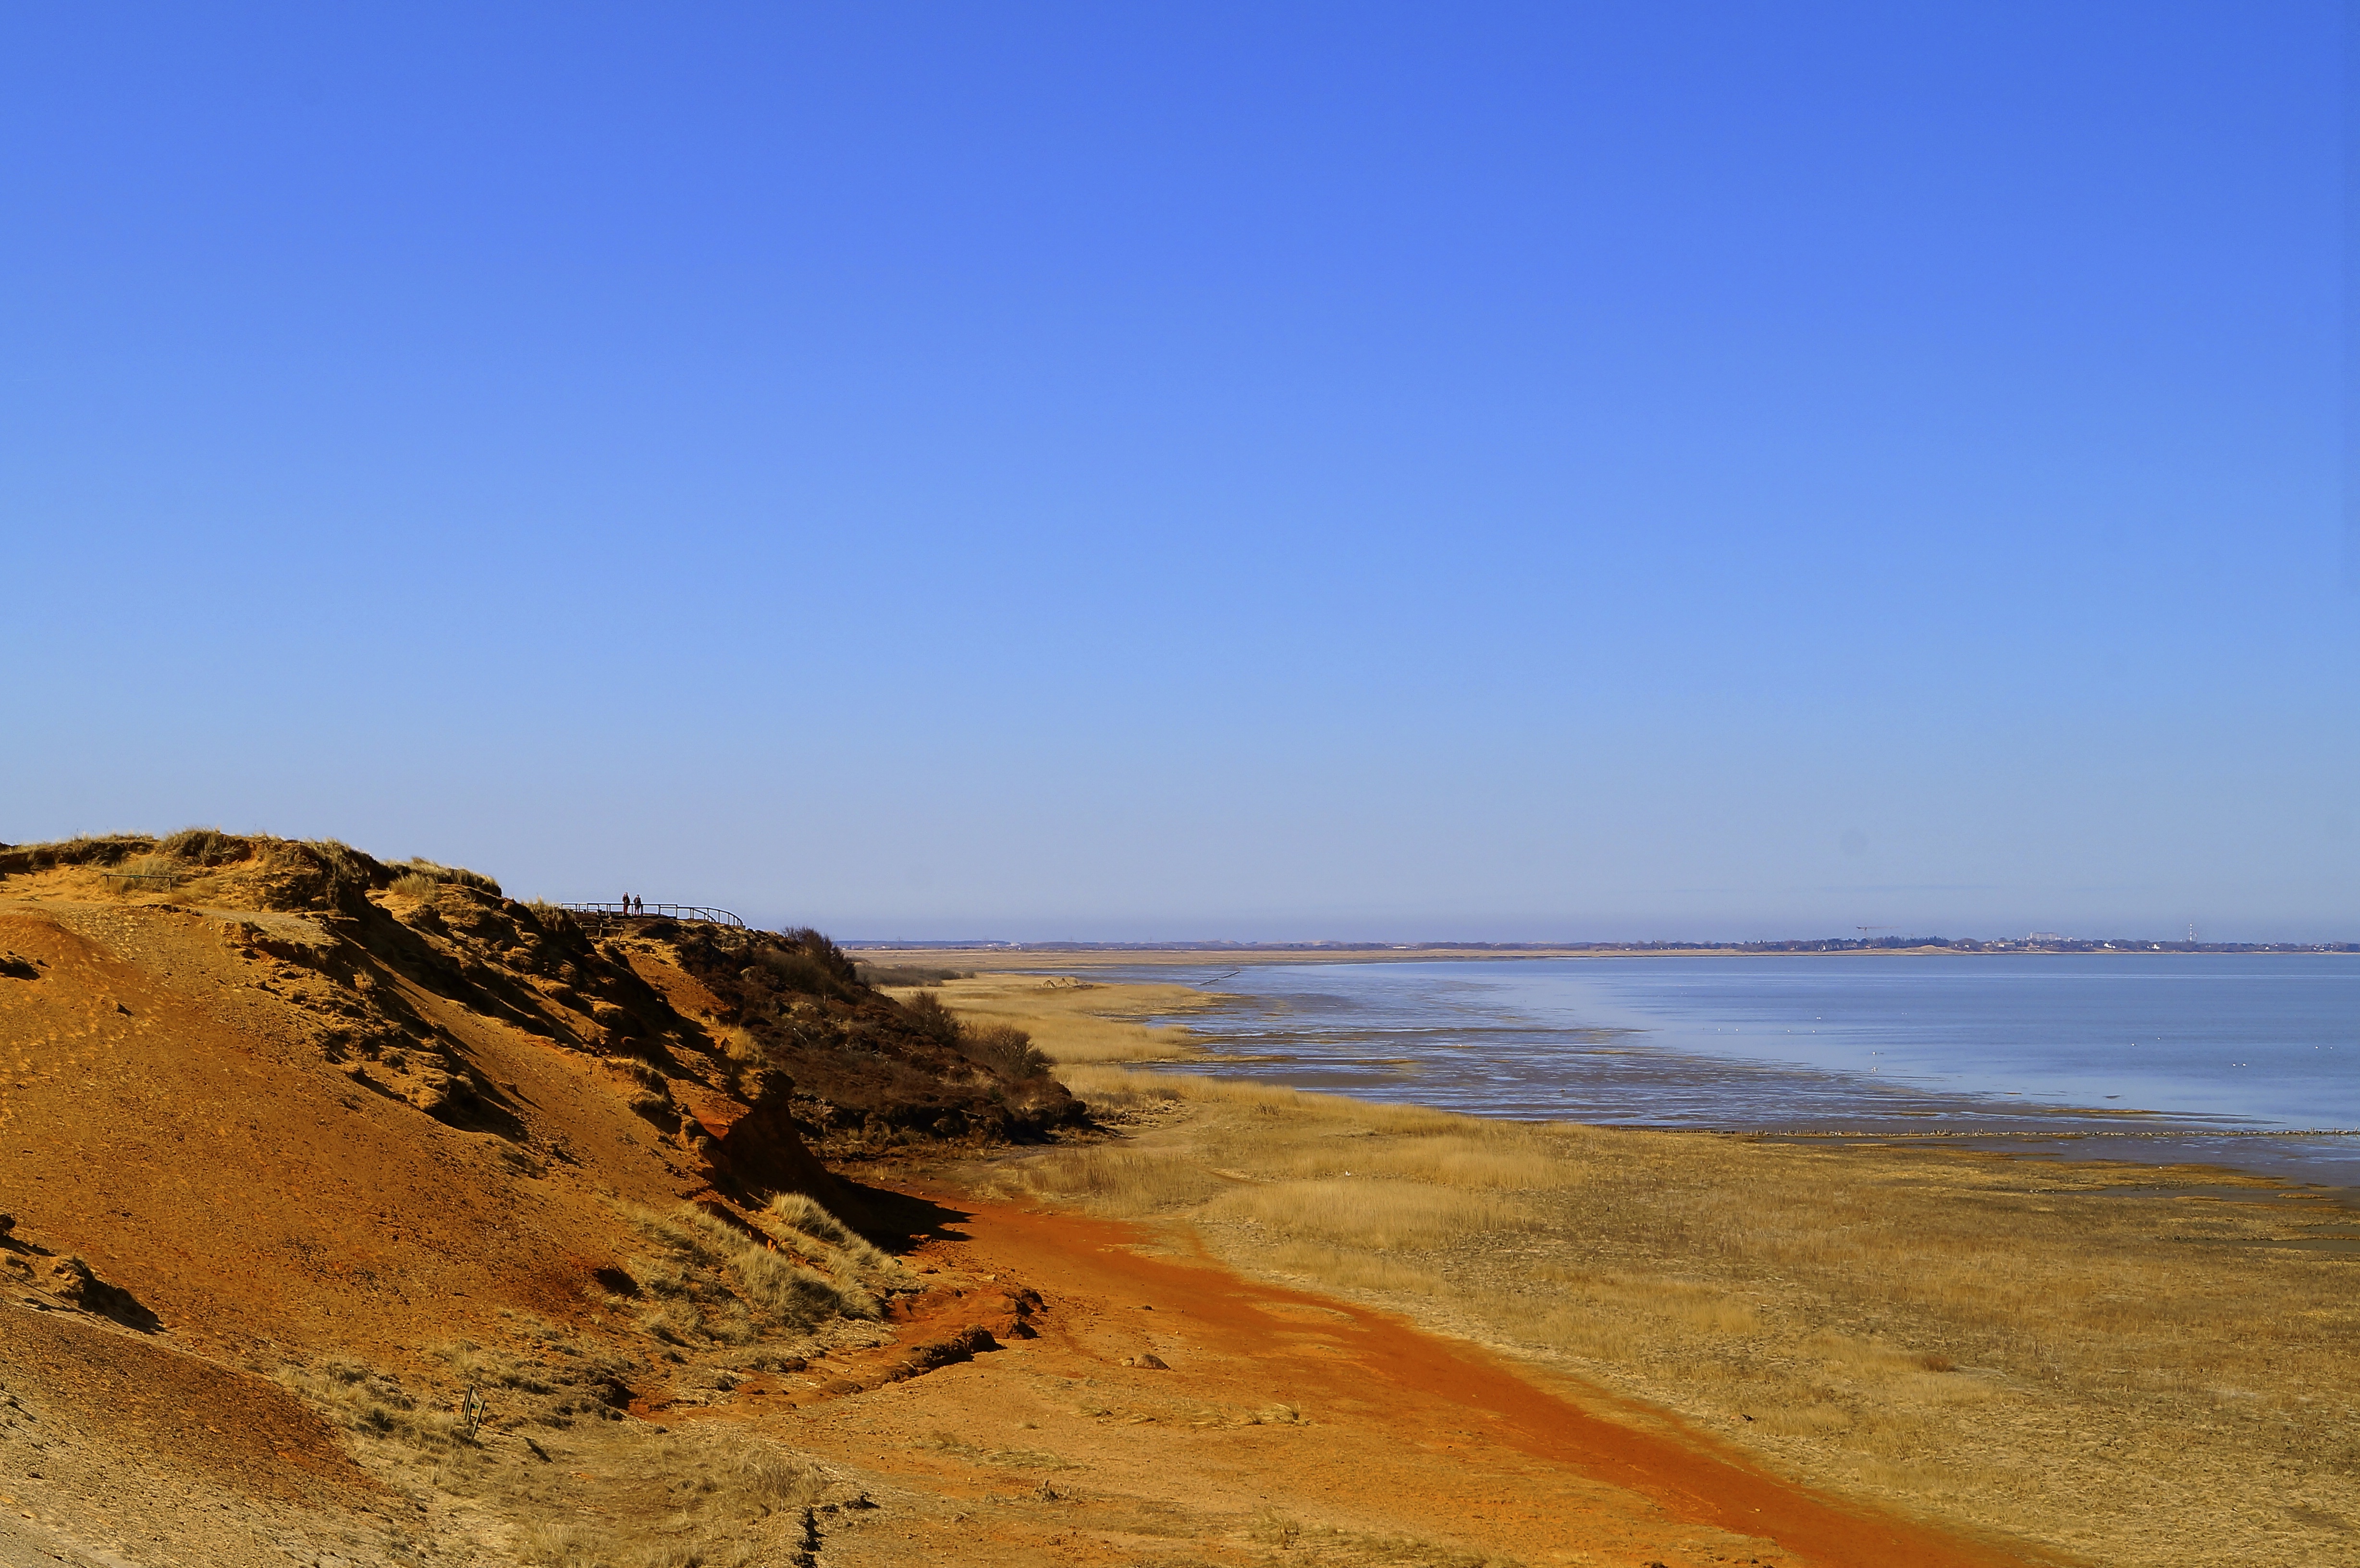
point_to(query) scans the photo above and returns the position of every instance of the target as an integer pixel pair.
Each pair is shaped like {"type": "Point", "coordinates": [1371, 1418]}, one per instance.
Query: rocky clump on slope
{"type": "Point", "coordinates": [860, 1072]}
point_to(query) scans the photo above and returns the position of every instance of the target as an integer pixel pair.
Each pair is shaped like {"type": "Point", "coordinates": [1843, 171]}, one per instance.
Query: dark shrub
{"type": "Point", "coordinates": [930, 1018]}
{"type": "Point", "coordinates": [805, 961]}
{"type": "Point", "coordinates": [908, 973]}
{"type": "Point", "coordinates": [1005, 1049]}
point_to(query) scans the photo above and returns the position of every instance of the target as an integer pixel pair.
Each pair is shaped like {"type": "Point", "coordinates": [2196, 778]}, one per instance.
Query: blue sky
{"type": "Point", "coordinates": [1506, 472]}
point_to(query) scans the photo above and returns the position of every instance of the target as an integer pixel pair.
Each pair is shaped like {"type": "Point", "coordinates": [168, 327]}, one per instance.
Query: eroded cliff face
{"type": "Point", "coordinates": [347, 1138]}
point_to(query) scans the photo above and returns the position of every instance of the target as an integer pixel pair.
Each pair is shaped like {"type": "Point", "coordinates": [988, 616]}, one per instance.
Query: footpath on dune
{"type": "Point", "coordinates": [352, 1212]}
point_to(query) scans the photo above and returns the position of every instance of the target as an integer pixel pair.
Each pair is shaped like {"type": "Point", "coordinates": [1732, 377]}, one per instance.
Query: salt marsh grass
{"type": "Point", "coordinates": [1075, 1023]}
{"type": "Point", "coordinates": [1119, 1179]}
{"type": "Point", "coordinates": [1374, 1212]}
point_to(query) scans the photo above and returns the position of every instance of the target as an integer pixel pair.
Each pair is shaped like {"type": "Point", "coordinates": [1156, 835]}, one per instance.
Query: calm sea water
{"type": "Point", "coordinates": [2160, 1057]}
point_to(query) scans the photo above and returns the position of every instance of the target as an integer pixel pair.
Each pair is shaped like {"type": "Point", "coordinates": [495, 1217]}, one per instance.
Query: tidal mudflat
{"type": "Point", "coordinates": [2108, 1360]}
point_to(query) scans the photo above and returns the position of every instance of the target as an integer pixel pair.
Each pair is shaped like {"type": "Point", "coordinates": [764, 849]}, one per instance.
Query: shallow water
{"type": "Point", "coordinates": [2221, 1057]}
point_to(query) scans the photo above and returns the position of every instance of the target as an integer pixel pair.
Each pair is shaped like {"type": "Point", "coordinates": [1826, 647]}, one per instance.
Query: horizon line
{"type": "Point", "coordinates": [2034, 941]}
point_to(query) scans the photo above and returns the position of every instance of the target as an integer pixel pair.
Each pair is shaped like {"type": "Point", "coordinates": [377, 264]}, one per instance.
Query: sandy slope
{"type": "Point", "coordinates": [183, 1109]}
{"type": "Point", "coordinates": [170, 1115]}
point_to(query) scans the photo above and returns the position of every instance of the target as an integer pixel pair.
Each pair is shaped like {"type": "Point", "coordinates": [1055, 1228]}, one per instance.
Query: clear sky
{"type": "Point", "coordinates": [1503, 471]}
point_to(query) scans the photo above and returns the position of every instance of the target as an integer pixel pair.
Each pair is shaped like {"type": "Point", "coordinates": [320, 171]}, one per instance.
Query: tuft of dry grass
{"type": "Point", "coordinates": [205, 847]}
{"type": "Point", "coordinates": [419, 873]}
{"type": "Point", "coordinates": [96, 850]}
{"type": "Point", "coordinates": [705, 1283]}
{"type": "Point", "coordinates": [364, 1399]}
{"type": "Point", "coordinates": [862, 1272]}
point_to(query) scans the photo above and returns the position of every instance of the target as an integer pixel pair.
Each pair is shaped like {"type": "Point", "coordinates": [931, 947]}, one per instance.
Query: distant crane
{"type": "Point", "coordinates": [1866, 929]}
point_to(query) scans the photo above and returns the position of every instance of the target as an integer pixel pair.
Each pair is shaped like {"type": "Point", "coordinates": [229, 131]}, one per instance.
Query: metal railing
{"type": "Point", "coordinates": [615, 914]}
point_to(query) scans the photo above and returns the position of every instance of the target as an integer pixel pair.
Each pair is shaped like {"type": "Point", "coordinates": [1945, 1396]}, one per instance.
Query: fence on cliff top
{"type": "Point", "coordinates": [604, 918]}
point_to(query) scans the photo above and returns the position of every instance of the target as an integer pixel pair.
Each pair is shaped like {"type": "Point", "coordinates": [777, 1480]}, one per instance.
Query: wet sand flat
{"type": "Point", "coordinates": [2107, 1361]}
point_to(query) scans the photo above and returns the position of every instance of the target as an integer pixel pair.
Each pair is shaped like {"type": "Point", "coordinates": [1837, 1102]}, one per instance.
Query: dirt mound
{"type": "Point", "coordinates": [271, 1108]}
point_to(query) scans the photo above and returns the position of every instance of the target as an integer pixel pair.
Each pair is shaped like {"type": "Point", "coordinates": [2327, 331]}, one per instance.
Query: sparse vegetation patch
{"type": "Point", "coordinates": [702, 1282]}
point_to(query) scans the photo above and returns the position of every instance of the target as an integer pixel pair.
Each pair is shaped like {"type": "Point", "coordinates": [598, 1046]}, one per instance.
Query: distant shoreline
{"type": "Point", "coordinates": [1053, 955]}
{"type": "Point", "coordinates": [1139, 987]}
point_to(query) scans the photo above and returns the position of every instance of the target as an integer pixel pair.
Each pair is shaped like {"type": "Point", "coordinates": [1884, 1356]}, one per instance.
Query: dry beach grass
{"type": "Point", "coordinates": [2124, 1364]}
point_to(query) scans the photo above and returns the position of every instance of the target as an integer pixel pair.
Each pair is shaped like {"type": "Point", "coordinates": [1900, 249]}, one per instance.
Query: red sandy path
{"type": "Point", "coordinates": [1346, 1358]}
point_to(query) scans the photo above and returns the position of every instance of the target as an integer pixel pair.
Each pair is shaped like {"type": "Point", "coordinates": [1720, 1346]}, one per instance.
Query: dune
{"type": "Point", "coordinates": [297, 1148]}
